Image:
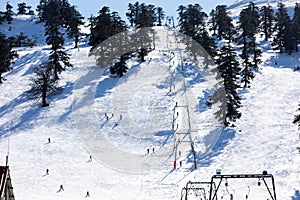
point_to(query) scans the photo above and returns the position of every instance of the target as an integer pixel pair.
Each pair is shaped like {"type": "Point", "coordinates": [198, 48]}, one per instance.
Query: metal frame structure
{"type": "Point", "coordinates": [195, 186]}
{"type": "Point", "coordinates": [263, 176]}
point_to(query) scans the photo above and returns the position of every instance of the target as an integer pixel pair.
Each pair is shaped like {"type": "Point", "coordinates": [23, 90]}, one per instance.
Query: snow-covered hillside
{"type": "Point", "coordinates": [109, 158]}
{"type": "Point", "coordinates": [241, 4]}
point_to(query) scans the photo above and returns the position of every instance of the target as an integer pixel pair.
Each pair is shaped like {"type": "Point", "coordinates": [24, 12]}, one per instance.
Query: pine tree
{"type": "Point", "coordinates": [289, 37]}
{"type": "Point", "coordinates": [43, 84]}
{"type": "Point", "coordinates": [66, 12]}
{"type": "Point", "coordinates": [146, 16]}
{"type": "Point", "coordinates": [229, 70]}
{"type": "Point", "coordinates": [160, 15]}
{"type": "Point", "coordinates": [222, 21]}
{"type": "Point", "coordinates": [131, 14]}
{"type": "Point", "coordinates": [267, 20]}
{"type": "Point", "coordinates": [248, 24]}
{"type": "Point", "coordinates": [53, 22]}
{"type": "Point", "coordinates": [22, 8]}
{"type": "Point", "coordinates": [101, 28]}
{"type": "Point", "coordinates": [297, 118]}
{"type": "Point", "coordinates": [296, 24]}
{"type": "Point", "coordinates": [212, 22]}
{"type": "Point", "coordinates": [7, 56]}
{"type": "Point", "coordinates": [282, 21]}
{"type": "Point", "coordinates": [73, 28]}
{"type": "Point", "coordinates": [120, 67]}
{"type": "Point", "coordinates": [41, 10]}
{"type": "Point", "coordinates": [105, 25]}
{"type": "Point", "coordinates": [192, 22]}
{"type": "Point", "coordinates": [9, 13]}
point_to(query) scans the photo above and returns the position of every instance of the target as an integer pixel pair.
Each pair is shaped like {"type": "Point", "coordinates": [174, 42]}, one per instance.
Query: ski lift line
{"type": "Point", "coordinates": [188, 134]}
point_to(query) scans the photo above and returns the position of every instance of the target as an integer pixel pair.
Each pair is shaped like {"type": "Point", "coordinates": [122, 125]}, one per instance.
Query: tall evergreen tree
{"type": "Point", "coordinates": [192, 22]}
{"type": "Point", "coordinates": [22, 8]}
{"type": "Point", "coordinates": [9, 13]}
{"type": "Point", "coordinates": [40, 10]}
{"type": "Point", "coordinates": [229, 69]}
{"type": "Point", "coordinates": [73, 28]}
{"type": "Point", "coordinates": [7, 56]}
{"type": "Point", "coordinates": [105, 25]}
{"type": "Point", "coordinates": [212, 22]}
{"type": "Point", "coordinates": [160, 15]}
{"type": "Point", "coordinates": [248, 24]}
{"type": "Point", "coordinates": [289, 37]}
{"type": "Point", "coordinates": [267, 20]}
{"type": "Point", "coordinates": [282, 24]}
{"type": "Point", "coordinates": [58, 58]}
{"type": "Point", "coordinates": [120, 67]}
{"type": "Point", "coordinates": [43, 84]}
{"type": "Point", "coordinates": [296, 24]}
{"type": "Point", "coordinates": [222, 21]}
{"type": "Point", "coordinates": [146, 16]}
{"type": "Point", "coordinates": [130, 14]}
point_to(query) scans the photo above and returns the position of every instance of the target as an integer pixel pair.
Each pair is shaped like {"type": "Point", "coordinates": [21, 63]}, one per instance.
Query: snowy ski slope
{"type": "Point", "coordinates": [264, 139]}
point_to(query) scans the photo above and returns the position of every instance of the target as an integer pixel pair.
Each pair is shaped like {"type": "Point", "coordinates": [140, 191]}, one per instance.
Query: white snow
{"type": "Point", "coordinates": [263, 139]}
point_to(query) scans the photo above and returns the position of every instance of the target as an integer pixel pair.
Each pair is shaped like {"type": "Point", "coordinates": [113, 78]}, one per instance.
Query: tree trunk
{"type": "Point", "coordinates": [76, 42]}
{"type": "Point", "coordinates": [44, 92]}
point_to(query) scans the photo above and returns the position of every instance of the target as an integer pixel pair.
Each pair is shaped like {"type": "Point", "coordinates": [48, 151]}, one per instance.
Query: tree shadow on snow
{"type": "Point", "coordinates": [26, 119]}
{"type": "Point", "coordinates": [167, 134]}
{"type": "Point", "coordinates": [26, 59]}
{"type": "Point", "coordinates": [284, 61]}
{"type": "Point", "coordinates": [225, 137]}
{"type": "Point", "coordinates": [32, 110]}
{"type": "Point", "coordinates": [105, 86]}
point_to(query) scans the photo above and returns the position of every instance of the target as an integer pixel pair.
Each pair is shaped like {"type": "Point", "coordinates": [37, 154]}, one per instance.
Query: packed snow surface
{"type": "Point", "coordinates": [88, 152]}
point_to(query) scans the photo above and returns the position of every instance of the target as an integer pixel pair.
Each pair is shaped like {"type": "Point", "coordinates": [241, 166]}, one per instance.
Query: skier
{"type": "Point", "coordinates": [90, 160]}
{"type": "Point", "coordinates": [148, 151]}
{"type": "Point", "coordinates": [180, 163]}
{"type": "Point", "coordinates": [47, 171]}
{"type": "Point", "coordinates": [61, 188]}
{"type": "Point", "coordinates": [153, 150]}
{"type": "Point", "coordinates": [176, 104]}
{"type": "Point", "coordinates": [87, 194]}
{"type": "Point", "coordinates": [49, 140]}
{"type": "Point", "coordinates": [177, 114]}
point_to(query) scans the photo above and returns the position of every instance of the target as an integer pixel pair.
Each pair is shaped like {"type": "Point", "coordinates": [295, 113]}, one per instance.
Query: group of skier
{"type": "Point", "coordinates": [112, 115]}
{"type": "Point", "coordinates": [148, 150]}
{"type": "Point", "coordinates": [61, 188]}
